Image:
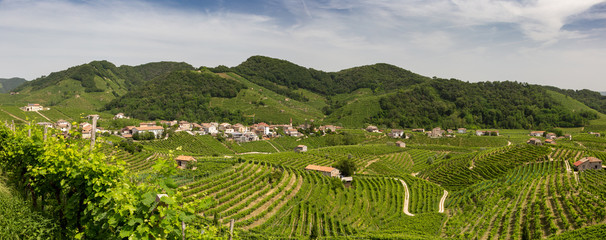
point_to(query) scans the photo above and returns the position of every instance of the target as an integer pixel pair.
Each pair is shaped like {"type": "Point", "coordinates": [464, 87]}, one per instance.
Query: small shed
{"type": "Point", "coordinates": [550, 141]}
{"type": "Point", "coordinates": [183, 160]}
{"type": "Point", "coordinates": [534, 141]}
{"type": "Point", "coordinates": [347, 181]}
{"type": "Point", "coordinates": [401, 144]}
{"type": "Point", "coordinates": [301, 148]}
{"type": "Point", "coordinates": [326, 171]}
{"type": "Point", "coordinates": [588, 163]}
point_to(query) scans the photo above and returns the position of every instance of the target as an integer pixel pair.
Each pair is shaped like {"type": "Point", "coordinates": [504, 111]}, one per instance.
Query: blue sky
{"type": "Point", "coordinates": [549, 42]}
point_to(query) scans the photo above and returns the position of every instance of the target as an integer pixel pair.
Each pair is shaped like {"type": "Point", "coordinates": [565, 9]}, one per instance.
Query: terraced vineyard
{"type": "Point", "coordinates": [196, 145]}
{"type": "Point", "coordinates": [506, 192]}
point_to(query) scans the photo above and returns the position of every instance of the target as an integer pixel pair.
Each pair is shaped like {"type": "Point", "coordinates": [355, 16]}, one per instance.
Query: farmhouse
{"type": "Point", "coordinates": [534, 141]}
{"type": "Point", "coordinates": [537, 133]}
{"type": "Point", "coordinates": [128, 130]}
{"type": "Point", "coordinates": [86, 130]}
{"type": "Point", "coordinates": [332, 128]}
{"type": "Point", "coordinates": [372, 128]}
{"type": "Point", "coordinates": [550, 141]}
{"type": "Point", "coordinates": [487, 133]}
{"type": "Point", "coordinates": [568, 136]}
{"type": "Point", "coordinates": [32, 107]}
{"type": "Point", "coordinates": [210, 128]}
{"type": "Point", "coordinates": [551, 136]}
{"type": "Point", "coordinates": [63, 125]}
{"type": "Point", "coordinates": [301, 148]}
{"type": "Point", "coordinates": [293, 132]}
{"type": "Point", "coordinates": [462, 130]}
{"type": "Point", "coordinates": [121, 116]}
{"type": "Point", "coordinates": [588, 163]}
{"type": "Point", "coordinates": [224, 126]}
{"type": "Point", "coordinates": [238, 127]}
{"type": "Point", "coordinates": [401, 144]}
{"type": "Point", "coordinates": [156, 130]}
{"type": "Point", "coordinates": [185, 126]}
{"type": "Point", "coordinates": [182, 161]}
{"type": "Point", "coordinates": [326, 171]}
{"type": "Point", "coordinates": [436, 133]}
{"type": "Point", "coordinates": [396, 133]}
{"type": "Point", "coordinates": [418, 130]}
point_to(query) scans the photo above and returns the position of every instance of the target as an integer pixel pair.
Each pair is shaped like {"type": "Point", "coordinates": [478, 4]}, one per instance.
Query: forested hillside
{"type": "Point", "coordinates": [8, 84]}
{"type": "Point", "coordinates": [182, 95]}
{"type": "Point", "coordinates": [453, 103]}
{"type": "Point", "coordinates": [267, 71]}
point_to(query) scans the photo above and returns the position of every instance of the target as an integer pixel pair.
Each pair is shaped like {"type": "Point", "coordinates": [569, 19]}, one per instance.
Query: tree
{"type": "Point", "coordinates": [346, 166]}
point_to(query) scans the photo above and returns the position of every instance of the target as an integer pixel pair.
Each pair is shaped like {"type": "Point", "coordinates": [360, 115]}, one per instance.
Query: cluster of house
{"type": "Point", "coordinates": [434, 133]}
{"type": "Point", "coordinates": [65, 126]}
{"type": "Point", "coordinates": [33, 107]}
{"type": "Point", "coordinates": [237, 132]}
{"type": "Point", "coordinates": [550, 138]}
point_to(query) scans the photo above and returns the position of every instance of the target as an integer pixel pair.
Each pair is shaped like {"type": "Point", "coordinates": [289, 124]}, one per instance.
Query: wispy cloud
{"type": "Point", "coordinates": [466, 39]}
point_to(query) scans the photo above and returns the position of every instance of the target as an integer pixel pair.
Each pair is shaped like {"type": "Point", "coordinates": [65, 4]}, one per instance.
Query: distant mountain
{"type": "Point", "coordinates": [94, 84]}
{"type": "Point", "coordinates": [603, 93]}
{"type": "Point", "coordinates": [8, 84]}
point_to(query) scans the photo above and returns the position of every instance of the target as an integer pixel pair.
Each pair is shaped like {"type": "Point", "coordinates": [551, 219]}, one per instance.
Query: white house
{"type": "Point", "coordinates": [156, 130]}
{"type": "Point", "coordinates": [32, 107]}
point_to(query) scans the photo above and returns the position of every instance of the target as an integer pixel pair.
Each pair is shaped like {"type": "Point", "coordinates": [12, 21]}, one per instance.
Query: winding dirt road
{"type": "Point", "coordinates": [441, 208]}
{"type": "Point", "coordinates": [406, 198]}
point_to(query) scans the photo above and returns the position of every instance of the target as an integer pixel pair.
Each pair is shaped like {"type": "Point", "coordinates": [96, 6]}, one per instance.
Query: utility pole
{"type": "Point", "coordinates": [93, 133]}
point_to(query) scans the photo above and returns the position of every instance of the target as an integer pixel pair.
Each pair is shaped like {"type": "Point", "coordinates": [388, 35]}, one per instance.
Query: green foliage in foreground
{"type": "Point", "coordinates": [88, 198]}
{"type": "Point", "coordinates": [19, 221]}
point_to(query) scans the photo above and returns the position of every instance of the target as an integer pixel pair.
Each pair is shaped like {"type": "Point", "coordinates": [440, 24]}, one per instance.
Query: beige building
{"type": "Point", "coordinates": [183, 160]}
{"type": "Point", "coordinates": [326, 171]}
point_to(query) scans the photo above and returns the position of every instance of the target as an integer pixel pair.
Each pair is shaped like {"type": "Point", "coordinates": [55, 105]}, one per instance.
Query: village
{"type": "Point", "coordinates": [240, 133]}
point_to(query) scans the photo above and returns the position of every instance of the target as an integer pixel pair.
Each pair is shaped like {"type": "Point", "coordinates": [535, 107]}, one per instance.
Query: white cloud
{"type": "Point", "coordinates": [465, 39]}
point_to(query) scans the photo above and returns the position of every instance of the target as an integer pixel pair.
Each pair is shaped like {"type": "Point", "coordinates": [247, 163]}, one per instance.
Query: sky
{"type": "Point", "coordinates": [549, 42]}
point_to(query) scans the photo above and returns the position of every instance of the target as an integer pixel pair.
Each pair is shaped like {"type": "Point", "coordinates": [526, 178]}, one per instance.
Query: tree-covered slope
{"type": "Point", "coordinates": [8, 84]}
{"type": "Point", "coordinates": [278, 73]}
{"type": "Point", "coordinates": [91, 85]}
{"type": "Point", "coordinates": [183, 95]}
{"type": "Point", "coordinates": [453, 103]}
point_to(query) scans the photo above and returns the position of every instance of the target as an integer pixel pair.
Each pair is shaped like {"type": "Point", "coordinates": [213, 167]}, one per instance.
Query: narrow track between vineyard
{"type": "Point", "coordinates": [406, 198]}
{"type": "Point", "coordinates": [441, 210]}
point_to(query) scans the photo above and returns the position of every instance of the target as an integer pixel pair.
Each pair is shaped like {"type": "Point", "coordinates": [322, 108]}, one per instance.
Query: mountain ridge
{"type": "Point", "coordinates": [277, 90]}
{"type": "Point", "coordinates": [9, 84]}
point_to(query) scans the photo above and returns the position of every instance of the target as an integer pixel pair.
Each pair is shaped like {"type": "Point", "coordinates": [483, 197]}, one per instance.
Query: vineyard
{"type": "Point", "coordinates": [425, 191]}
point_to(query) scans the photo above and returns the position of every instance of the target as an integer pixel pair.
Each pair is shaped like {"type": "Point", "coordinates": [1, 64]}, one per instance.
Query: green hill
{"type": "Point", "coordinates": [8, 84]}
{"type": "Point", "coordinates": [275, 91]}
{"type": "Point", "coordinates": [92, 85]}
{"type": "Point", "coordinates": [183, 95]}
